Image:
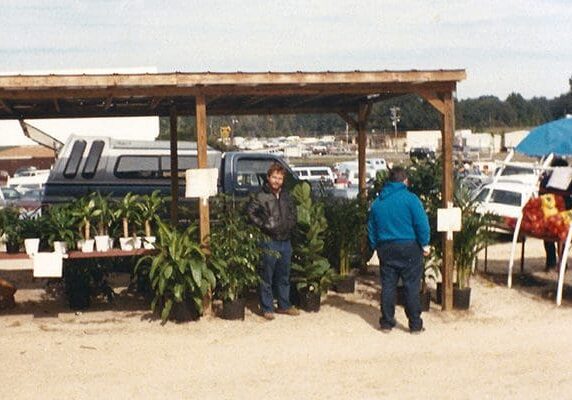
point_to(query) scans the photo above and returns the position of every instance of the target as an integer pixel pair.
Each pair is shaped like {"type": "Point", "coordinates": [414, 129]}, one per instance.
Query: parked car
{"type": "Point", "coordinates": [421, 153]}
{"type": "Point", "coordinates": [507, 198]}
{"type": "Point", "coordinates": [378, 164]}
{"type": "Point", "coordinates": [315, 174]}
{"type": "Point", "coordinates": [9, 196]}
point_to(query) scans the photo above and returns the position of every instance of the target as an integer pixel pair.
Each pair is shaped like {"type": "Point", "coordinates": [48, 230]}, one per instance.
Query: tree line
{"type": "Point", "coordinates": [485, 113]}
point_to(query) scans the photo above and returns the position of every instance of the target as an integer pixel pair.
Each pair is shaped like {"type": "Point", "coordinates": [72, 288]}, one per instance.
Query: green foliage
{"type": "Point", "coordinates": [148, 208]}
{"type": "Point", "coordinates": [179, 271]}
{"type": "Point", "coordinates": [346, 232]}
{"type": "Point", "coordinates": [10, 226]}
{"type": "Point", "coordinates": [235, 253]}
{"type": "Point", "coordinates": [60, 224]}
{"type": "Point", "coordinates": [105, 214]}
{"type": "Point", "coordinates": [473, 236]}
{"type": "Point", "coordinates": [126, 210]}
{"type": "Point", "coordinates": [310, 269]}
{"type": "Point", "coordinates": [85, 211]}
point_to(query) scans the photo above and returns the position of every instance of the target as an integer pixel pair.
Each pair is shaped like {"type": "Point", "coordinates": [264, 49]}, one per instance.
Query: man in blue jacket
{"type": "Point", "coordinates": [398, 228]}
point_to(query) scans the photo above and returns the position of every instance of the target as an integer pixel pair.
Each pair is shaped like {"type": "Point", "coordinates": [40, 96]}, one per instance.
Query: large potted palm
{"type": "Point", "coordinates": [86, 213]}
{"type": "Point", "coordinates": [104, 219]}
{"type": "Point", "coordinates": [467, 243]}
{"type": "Point", "coordinates": [179, 275]}
{"type": "Point", "coordinates": [311, 272]}
{"type": "Point", "coordinates": [234, 258]}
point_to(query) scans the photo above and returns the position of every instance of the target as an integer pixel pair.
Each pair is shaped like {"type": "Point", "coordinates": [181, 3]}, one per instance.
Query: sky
{"type": "Point", "coordinates": [521, 46]}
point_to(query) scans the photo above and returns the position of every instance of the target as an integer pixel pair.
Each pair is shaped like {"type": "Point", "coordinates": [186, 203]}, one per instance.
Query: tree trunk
{"type": "Point", "coordinates": [125, 228]}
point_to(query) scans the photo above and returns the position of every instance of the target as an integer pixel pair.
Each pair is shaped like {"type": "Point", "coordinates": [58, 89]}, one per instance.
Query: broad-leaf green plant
{"type": "Point", "coordinates": [310, 269]}
{"type": "Point", "coordinates": [127, 210]}
{"type": "Point", "coordinates": [60, 224]}
{"type": "Point", "coordinates": [179, 271]}
{"type": "Point", "coordinates": [235, 253]}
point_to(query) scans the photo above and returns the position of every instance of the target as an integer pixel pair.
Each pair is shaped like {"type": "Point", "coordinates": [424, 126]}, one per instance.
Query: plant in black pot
{"type": "Point", "coordinates": [345, 234]}
{"type": "Point", "coordinates": [179, 275]}
{"type": "Point", "coordinates": [11, 229]}
{"type": "Point", "coordinates": [234, 258]}
{"type": "Point", "coordinates": [467, 243]}
{"type": "Point", "coordinates": [311, 272]}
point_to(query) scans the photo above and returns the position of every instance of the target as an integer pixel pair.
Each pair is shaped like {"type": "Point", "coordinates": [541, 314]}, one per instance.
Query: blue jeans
{"type": "Point", "coordinates": [400, 260]}
{"type": "Point", "coordinates": [274, 270]}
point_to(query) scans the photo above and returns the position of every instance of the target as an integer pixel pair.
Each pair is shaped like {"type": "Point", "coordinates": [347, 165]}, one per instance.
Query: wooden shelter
{"type": "Point", "coordinates": [349, 94]}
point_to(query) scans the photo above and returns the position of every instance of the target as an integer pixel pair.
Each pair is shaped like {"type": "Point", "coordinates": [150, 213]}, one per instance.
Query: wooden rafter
{"type": "Point", "coordinates": [349, 119]}
{"type": "Point", "coordinates": [6, 107]}
{"type": "Point", "coordinates": [154, 102]}
{"type": "Point", "coordinates": [108, 102]}
{"type": "Point", "coordinates": [434, 98]}
{"type": "Point", "coordinates": [57, 106]}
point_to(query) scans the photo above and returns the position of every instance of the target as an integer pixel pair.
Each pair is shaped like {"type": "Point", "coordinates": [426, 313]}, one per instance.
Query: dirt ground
{"type": "Point", "coordinates": [513, 343]}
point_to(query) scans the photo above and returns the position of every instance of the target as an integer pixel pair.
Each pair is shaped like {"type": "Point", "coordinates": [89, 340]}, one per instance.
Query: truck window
{"type": "Point", "coordinates": [92, 159]}
{"type": "Point", "coordinates": [185, 163]}
{"type": "Point", "coordinates": [137, 167]}
{"type": "Point", "coordinates": [76, 154]}
{"type": "Point", "coordinates": [251, 172]}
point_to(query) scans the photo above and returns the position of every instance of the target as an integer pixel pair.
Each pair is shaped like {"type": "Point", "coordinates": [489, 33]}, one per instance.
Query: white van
{"type": "Point", "coordinates": [315, 174]}
{"type": "Point", "coordinates": [378, 164]}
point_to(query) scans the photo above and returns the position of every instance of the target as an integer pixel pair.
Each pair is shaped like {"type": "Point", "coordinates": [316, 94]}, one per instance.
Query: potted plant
{"type": "Point", "coordinates": [104, 218]}
{"type": "Point", "coordinates": [127, 211]}
{"type": "Point", "coordinates": [311, 271]}
{"type": "Point", "coordinates": [148, 207]}
{"type": "Point", "coordinates": [11, 229]}
{"type": "Point", "coordinates": [60, 224]}
{"type": "Point", "coordinates": [467, 243]}
{"type": "Point", "coordinates": [31, 229]}
{"type": "Point", "coordinates": [179, 275]}
{"type": "Point", "coordinates": [345, 233]}
{"type": "Point", "coordinates": [86, 212]}
{"type": "Point", "coordinates": [234, 258]}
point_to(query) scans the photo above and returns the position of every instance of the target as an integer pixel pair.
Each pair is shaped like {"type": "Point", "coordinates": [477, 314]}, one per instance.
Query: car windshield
{"type": "Point", "coordinates": [500, 196]}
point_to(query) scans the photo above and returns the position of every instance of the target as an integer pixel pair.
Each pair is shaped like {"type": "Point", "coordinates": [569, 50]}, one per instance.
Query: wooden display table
{"type": "Point", "coordinates": [72, 255]}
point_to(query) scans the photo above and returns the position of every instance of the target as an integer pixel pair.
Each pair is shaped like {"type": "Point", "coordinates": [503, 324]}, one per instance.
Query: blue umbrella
{"type": "Point", "coordinates": [552, 137]}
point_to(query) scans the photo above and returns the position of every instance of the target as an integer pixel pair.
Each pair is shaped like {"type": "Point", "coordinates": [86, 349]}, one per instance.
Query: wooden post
{"type": "Point", "coordinates": [363, 113]}
{"type": "Point", "coordinates": [174, 167]}
{"type": "Point", "coordinates": [447, 135]}
{"type": "Point", "coordinates": [201, 119]}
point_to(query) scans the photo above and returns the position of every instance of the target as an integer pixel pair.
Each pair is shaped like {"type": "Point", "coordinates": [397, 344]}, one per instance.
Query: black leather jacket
{"type": "Point", "coordinates": [275, 216]}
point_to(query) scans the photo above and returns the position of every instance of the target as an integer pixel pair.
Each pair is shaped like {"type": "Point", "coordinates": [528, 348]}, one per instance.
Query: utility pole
{"type": "Point", "coordinates": [395, 118]}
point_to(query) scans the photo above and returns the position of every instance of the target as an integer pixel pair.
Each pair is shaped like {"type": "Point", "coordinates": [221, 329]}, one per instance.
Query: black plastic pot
{"type": "Point", "coordinates": [346, 284]}
{"type": "Point", "coordinates": [461, 298]}
{"type": "Point", "coordinates": [310, 301]}
{"type": "Point", "coordinates": [12, 248]}
{"type": "Point", "coordinates": [233, 309]}
{"type": "Point", "coordinates": [294, 295]}
{"type": "Point", "coordinates": [78, 294]}
{"type": "Point", "coordinates": [184, 311]}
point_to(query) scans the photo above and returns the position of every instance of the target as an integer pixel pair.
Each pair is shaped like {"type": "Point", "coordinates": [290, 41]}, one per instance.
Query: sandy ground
{"type": "Point", "coordinates": [513, 343]}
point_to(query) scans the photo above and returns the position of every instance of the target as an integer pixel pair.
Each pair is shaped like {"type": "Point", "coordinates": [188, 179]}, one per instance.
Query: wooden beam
{"type": "Point", "coordinates": [57, 106]}
{"type": "Point", "coordinates": [201, 126]}
{"type": "Point", "coordinates": [108, 102]}
{"type": "Point", "coordinates": [363, 112]}
{"type": "Point", "coordinates": [349, 120]}
{"type": "Point", "coordinates": [435, 99]}
{"type": "Point", "coordinates": [6, 107]}
{"type": "Point", "coordinates": [447, 136]}
{"type": "Point", "coordinates": [154, 102]}
{"type": "Point", "coordinates": [174, 167]}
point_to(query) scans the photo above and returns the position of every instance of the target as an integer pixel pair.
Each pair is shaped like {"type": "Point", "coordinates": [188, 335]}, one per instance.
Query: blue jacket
{"type": "Point", "coordinates": [397, 215]}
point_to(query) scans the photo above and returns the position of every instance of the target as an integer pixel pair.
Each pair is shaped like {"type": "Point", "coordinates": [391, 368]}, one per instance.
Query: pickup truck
{"type": "Point", "coordinates": [117, 167]}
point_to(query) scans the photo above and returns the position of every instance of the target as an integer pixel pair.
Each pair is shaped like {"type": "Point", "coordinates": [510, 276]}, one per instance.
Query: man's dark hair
{"type": "Point", "coordinates": [276, 167]}
{"type": "Point", "coordinates": [397, 174]}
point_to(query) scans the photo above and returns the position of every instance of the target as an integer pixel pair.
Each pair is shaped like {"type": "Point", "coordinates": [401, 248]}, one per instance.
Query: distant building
{"type": "Point", "coordinates": [13, 158]}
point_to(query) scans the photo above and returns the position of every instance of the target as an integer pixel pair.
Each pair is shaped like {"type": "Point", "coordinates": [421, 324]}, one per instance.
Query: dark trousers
{"type": "Point", "coordinates": [400, 260]}
{"type": "Point", "coordinates": [550, 248]}
{"type": "Point", "coordinates": [275, 273]}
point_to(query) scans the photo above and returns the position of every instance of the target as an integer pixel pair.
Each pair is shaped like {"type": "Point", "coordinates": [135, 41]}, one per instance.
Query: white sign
{"type": "Point", "coordinates": [201, 182]}
{"type": "Point", "coordinates": [560, 178]}
{"type": "Point", "coordinates": [449, 219]}
{"type": "Point", "coordinates": [47, 265]}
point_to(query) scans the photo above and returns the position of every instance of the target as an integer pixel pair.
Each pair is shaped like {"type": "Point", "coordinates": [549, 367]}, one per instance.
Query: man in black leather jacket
{"type": "Point", "coordinates": [274, 212]}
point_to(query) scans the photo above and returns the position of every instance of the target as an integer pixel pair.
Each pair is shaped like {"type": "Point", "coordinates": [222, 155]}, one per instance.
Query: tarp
{"type": "Point", "coordinates": [553, 137]}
